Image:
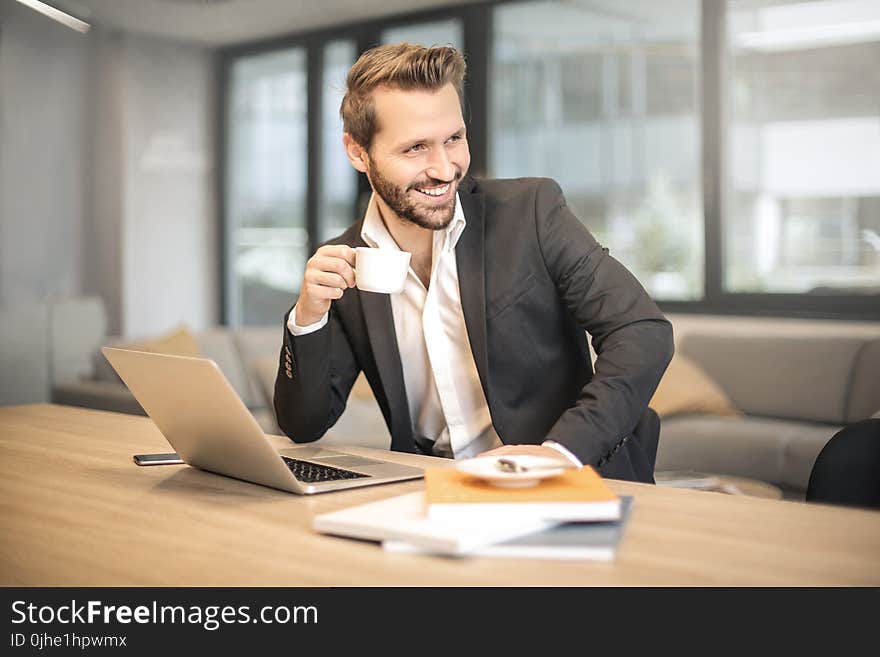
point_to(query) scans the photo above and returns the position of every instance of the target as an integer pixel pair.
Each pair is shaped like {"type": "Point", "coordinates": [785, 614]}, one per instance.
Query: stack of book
{"type": "Point", "coordinates": [572, 516]}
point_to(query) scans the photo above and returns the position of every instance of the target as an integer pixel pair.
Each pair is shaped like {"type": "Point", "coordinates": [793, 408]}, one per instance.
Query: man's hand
{"type": "Point", "coordinates": [527, 450]}
{"type": "Point", "coordinates": [328, 274]}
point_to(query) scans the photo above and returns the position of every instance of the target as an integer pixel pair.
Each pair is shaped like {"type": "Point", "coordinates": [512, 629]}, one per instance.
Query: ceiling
{"type": "Point", "coordinates": [226, 22]}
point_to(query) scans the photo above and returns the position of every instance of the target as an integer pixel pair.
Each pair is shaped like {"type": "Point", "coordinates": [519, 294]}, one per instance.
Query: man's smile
{"type": "Point", "coordinates": [437, 192]}
{"type": "Point", "coordinates": [434, 191]}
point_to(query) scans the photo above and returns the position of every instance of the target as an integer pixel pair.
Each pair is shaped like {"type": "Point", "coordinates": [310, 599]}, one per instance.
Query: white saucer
{"type": "Point", "coordinates": [486, 469]}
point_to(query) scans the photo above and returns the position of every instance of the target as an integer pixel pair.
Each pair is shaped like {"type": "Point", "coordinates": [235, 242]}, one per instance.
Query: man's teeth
{"type": "Point", "coordinates": [436, 191]}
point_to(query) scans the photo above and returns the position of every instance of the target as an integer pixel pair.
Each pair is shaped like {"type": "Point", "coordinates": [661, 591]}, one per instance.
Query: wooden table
{"type": "Point", "coordinates": [75, 511]}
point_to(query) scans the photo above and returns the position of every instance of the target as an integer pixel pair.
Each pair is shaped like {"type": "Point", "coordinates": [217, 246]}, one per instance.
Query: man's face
{"type": "Point", "coordinates": [419, 154]}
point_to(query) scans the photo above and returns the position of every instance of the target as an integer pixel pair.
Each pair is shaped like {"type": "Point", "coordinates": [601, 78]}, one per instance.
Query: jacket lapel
{"type": "Point", "coordinates": [471, 263]}
{"type": "Point", "coordinates": [379, 320]}
{"type": "Point", "coordinates": [383, 341]}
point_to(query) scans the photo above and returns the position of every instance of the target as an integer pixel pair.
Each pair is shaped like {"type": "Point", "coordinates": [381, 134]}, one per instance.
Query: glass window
{"type": "Point", "coordinates": [605, 101]}
{"type": "Point", "coordinates": [266, 186]}
{"type": "Point", "coordinates": [338, 182]}
{"type": "Point", "coordinates": [803, 209]}
{"type": "Point", "coordinates": [435, 33]}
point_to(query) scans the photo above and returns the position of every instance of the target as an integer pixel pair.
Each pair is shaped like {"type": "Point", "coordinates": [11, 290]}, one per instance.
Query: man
{"type": "Point", "coordinates": [484, 350]}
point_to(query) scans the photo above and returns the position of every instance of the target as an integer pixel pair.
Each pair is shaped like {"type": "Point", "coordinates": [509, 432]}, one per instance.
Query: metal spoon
{"type": "Point", "coordinates": [509, 465]}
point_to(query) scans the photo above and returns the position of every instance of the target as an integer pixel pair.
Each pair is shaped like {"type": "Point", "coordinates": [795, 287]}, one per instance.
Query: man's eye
{"type": "Point", "coordinates": [455, 138]}
{"type": "Point", "coordinates": [416, 148]}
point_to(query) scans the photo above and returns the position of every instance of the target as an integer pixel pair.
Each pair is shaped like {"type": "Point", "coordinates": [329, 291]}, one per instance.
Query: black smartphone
{"type": "Point", "coordinates": [157, 459]}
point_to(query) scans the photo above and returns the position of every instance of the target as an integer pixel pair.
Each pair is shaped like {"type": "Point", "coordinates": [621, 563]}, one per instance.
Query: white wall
{"type": "Point", "coordinates": [42, 115]}
{"type": "Point", "coordinates": [169, 238]}
{"type": "Point", "coordinates": [106, 176]}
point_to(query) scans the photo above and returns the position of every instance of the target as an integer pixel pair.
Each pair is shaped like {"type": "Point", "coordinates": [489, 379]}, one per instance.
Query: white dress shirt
{"type": "Point", "coordinates": [446, 401]}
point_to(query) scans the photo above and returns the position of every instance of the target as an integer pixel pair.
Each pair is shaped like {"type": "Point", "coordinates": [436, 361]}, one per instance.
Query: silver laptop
{"type": "Point", "coordinates": [203, 418]}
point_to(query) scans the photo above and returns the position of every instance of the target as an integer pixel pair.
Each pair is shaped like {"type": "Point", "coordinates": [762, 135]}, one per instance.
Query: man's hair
{"type": "Point", "coordinates": [401, 66]}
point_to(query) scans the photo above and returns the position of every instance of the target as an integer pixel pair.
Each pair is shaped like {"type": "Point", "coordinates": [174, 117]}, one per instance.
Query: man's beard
{"type": "Point", "coordinates": [432, 218]}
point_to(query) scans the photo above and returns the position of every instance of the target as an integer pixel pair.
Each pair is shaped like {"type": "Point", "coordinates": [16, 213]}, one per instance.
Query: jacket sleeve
{"type": "Point", "coordinates": [315, 374]}
{"type": "Point", "coordinates": [631, 337]}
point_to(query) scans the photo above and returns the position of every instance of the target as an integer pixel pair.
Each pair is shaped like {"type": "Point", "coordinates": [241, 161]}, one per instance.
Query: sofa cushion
{"type": "Point", "coordinates": [864, 393]}
{"type": "Point", "coordinates": [24, 361]}
{"type": "Point", "coordinates": [103, 395]}
{"type": "Point", "coordinates": [800, 378]}
{"type": "Point", "coordinates": [178, 341]}
{"type": "Point", "coordinates": [686, 388]}
{"type": "Point", "coordinates": [361, 423]}
{"type": "Point", "coordinates": [265, 417]}
{"type": "Point", "coordinates": [253, 345]}
{"type": "Point", "coordinates": [103, 370]}
{"type": "Point", "coordinates": [77, 326]}
{"type": "Point", "coordinates": [219, 345]}
{"type": "Point", "coordinates": [778, 451]}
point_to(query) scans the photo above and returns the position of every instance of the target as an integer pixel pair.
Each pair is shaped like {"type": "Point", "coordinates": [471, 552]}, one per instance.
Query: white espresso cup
{"type": "Point", "coordinates": [380, 270]}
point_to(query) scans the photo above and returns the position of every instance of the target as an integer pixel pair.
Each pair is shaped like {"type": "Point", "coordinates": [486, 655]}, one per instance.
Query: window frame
{"type": "Point", "coordinates": [477, 22]}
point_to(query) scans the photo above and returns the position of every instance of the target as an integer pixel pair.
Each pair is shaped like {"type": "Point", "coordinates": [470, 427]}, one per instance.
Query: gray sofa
{"type": "Point", "coordinates": [237, 352]}
{"type": "Point", "coordinates": [795, 393]}
{"type": "Point", "coordinates": [796, 384]}
{"type": "Point", "coordinates": [248, 357]}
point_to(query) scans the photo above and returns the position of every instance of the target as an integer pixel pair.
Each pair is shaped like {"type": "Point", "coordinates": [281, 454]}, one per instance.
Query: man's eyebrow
{"type": "Point", "coordinates": [419, 140]}
{"type": "Point", "coordinates": [410, 142]}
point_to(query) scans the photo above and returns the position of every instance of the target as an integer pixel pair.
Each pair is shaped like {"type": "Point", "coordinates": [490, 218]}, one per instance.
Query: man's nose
{"type": "Point", "coordinates": [440, 166]}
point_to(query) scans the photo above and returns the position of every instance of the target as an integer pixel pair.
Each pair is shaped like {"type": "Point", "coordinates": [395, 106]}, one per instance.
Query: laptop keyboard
{"type": "Point", "coordinates": [312, 473]}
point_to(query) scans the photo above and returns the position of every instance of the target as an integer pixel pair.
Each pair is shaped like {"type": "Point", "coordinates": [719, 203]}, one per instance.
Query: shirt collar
{"type": "Point", "coordinates": [375, 233]}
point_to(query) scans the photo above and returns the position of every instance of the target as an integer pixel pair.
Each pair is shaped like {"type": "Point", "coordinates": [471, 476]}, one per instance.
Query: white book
{"type": "Point", "coordinates": [403, 518]}
{"type": "Point", "coordinates": [588, 541]}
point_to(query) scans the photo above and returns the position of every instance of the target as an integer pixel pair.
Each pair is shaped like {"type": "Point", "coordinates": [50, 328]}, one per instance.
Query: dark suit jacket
{"type": "Point", "coordinates": [532, 280]}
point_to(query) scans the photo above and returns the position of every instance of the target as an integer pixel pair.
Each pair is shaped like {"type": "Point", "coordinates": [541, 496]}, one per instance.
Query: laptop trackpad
{"type": "Point", "coordinates": [348, 461]}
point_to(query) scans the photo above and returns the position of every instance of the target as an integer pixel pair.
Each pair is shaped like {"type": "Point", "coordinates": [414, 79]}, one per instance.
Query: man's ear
{"type": "Point", "coordinates": [357, 155]}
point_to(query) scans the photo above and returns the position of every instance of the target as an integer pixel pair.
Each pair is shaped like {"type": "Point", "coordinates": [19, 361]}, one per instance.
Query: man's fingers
{"type": "Point", "coordinates": [334, 264]}
{"type": "Point", "coordinates": [327, 278]}
{"type": "Point", "coordinates": [318, 291]}
{"type": "Point", "coordinates": [338, 251]}
{"type": "Point", "coordinates": [328, 274]}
